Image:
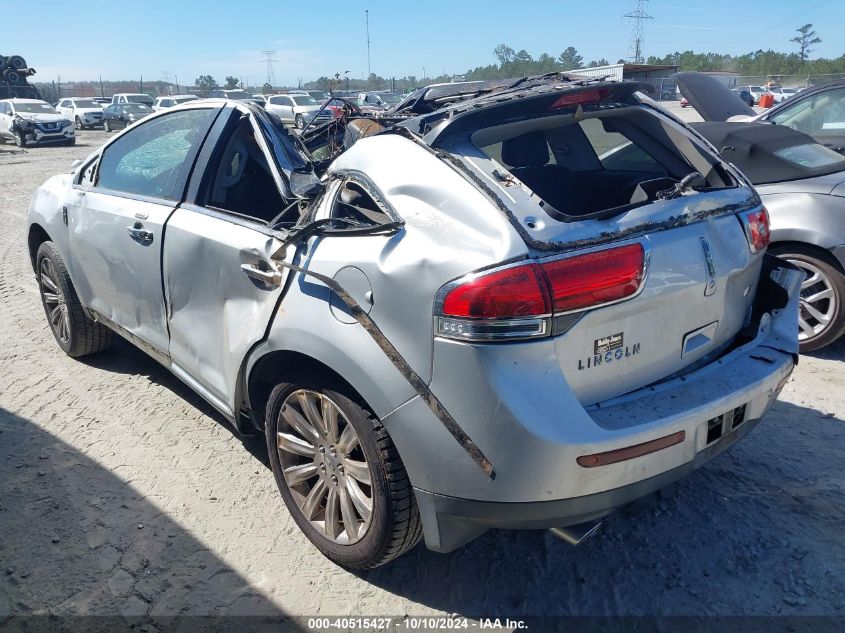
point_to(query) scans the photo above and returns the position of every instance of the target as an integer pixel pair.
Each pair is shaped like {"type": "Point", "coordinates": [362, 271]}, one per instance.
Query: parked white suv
{"type": "Point", "coordinates": [132, 97]}
{"type": "Point", "coordinates": [85, 113]}
{"type": "Point", "coordinates": [32, 121]}
{"type": "Point", "coordinates": [162, 103]}
{"type": "Point", "coordinates": [297, 108]}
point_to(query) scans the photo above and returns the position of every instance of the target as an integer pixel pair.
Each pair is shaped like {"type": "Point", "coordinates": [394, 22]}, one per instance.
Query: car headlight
{"type": "Point", "coordinates": [65, 123]}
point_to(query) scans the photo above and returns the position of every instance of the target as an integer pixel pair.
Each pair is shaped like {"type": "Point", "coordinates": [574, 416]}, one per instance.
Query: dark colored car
{"type": "Point", "coordinates": [120, 115]}
{"type": "Point", "coordinates": [745, 96]}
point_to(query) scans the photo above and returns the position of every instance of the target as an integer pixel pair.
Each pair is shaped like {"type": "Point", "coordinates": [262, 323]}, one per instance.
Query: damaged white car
{"type": "Point", "coordinates": [454, 317]}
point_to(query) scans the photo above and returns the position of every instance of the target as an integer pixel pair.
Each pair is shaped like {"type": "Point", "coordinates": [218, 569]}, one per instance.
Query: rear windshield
{"type": "Point", "coordinates": [598, 164]}
{"type": "Point", "coordinates": [85, 103]}
{"type": "Point", "coordinates": [184, 99]}
{"type": "Point", "coordinates": [304, 100]}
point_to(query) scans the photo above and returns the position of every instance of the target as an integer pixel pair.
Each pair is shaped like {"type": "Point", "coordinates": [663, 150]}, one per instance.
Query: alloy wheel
{"type": "Point", "coordinates": [54, 301]}
{"type": "Point", "coordinates": [817, 301]}
{"type": "Point", "coordinates": [324, 466]}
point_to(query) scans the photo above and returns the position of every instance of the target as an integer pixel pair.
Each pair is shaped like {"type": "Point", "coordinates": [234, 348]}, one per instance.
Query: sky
{"type": "Point", "coordinates": [163, 40]}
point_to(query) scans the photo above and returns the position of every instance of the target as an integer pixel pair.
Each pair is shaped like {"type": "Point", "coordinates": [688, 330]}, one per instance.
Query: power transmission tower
{"type": "Point", "coordinates": [271, 74]}
{"type": "Point", "coordinates": [638, 16]}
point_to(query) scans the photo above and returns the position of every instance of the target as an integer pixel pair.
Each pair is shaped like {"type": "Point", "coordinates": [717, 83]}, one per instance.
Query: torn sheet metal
{"type": "Point", "coordinates": [404, 368]}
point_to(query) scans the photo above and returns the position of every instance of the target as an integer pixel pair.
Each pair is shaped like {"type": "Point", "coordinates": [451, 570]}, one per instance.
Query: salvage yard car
{"type": "Point", "coordinates": [118, 116]}
{"type": "Point", "coordinates": [85, 113]}
{"type": "Point", "coordinates": [447, 320]}
{"type": "Point", "coordinates": [34, 122]}
{"type": "Point", "coordinates": [802, 184]}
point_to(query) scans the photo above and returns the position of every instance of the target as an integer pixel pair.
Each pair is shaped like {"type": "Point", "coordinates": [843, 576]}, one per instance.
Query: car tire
{"type": "Point", "coordinates": [78, 124]}
{"type": "Point", "coordinates": [20, 139]}
{"type": "Point", "coordinates": [822, 311]}
{"type": "Point", "coordinates": [393, 526]}
{"type": "Point", "coordinates": [106, 126]}
{"type": "Point", "coordinates": [299, 121]}
{"type": "Point", "coordinates": [76, 333]}
{"type": "Point", "coordinates": [70, 142]}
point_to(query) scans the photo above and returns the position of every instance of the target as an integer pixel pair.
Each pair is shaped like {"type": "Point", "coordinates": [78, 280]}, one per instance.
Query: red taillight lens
{"type": "Point", "coordinates": [595, 278]}
{"type": "Point", "coordinates": [756, 225]}
{"type": "Point", "coordinates": [517, 302]}
{"type": "Point", "coordinates": [513, 292]}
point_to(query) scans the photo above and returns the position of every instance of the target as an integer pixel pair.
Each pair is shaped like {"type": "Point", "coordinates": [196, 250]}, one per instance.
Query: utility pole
{"type": "Point", "coordinates": [369, 70]}
{"type": "Point", "coordinates": [102, 89]}
{"type": "Point", "coordinates": [176, 77]}
{"type": "Point", "coordinates": [59, 87]}
{"type": "Point", "coordinates": [638, 16]}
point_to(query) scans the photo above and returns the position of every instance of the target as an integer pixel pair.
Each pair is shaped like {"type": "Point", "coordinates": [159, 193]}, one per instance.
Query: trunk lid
{"type": "Point", "coordinates": [699, 284]}
{"type": "Point", "coordinates": [712, 99]}
{"type": "Point", "coordinates": [593, 169]}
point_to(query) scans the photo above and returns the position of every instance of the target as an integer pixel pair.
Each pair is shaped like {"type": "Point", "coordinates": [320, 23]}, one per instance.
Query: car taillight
{"type": "Point", "coordinates": [595, 278]}
{"type": "Point", "coordinates": [521, 301]}
{"type": "Point", "coordinates": [756, 225]}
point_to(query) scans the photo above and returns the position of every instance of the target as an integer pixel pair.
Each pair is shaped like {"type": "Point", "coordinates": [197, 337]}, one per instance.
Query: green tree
{"type": "Point", "coordinates": [806, 38]}
{"type": "Point", "coordinates": [503, 53]}
{"type": "Point", "coordinates": [205, 83]}
{"type": "Point", "coordinates": [267, 88]}
{"type": "Point", "coordinates": [232, 82]}
{"type": "Point", "coordinates": [569, 59]}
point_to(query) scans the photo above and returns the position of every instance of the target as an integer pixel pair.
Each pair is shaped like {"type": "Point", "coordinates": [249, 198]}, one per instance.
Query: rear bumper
{"type": "Point", "coordinates": [451, 522]}
{"type": "Point", "coordinates": [534, 440]}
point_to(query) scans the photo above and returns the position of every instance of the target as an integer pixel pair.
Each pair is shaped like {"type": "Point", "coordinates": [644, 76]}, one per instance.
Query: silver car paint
{"type": "Point", "coordinates": [527, 420]}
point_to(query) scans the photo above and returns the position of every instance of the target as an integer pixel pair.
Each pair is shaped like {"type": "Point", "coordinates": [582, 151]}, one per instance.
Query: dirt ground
{"type": "Point", "coordinates": [121, 492]}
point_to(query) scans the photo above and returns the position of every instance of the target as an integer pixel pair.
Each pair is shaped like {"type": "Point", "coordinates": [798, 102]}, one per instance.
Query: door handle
{"type": "Point", "coordinates": [138, 232]}
{"type": "Point", "coordinates": [270, 277]}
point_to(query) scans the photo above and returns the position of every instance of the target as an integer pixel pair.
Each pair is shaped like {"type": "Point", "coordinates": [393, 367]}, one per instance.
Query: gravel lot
{"type": "Point", "coordinates": [123, 493]}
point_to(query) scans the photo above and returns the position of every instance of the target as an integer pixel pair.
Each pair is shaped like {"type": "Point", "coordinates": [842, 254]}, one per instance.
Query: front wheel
{"type": "Point", "coordinates": [78, 124]}
{"type": "Point", "coordinates": [74, 331]}
{"type": "Point", "coordinates": [107, 126]}
{"type": "Point", "coordinates": [299, 122]}
{"type": "Point", "coordinates": [20, 139]}
{"type": "Point", "coordinates": [821, 317]}
{"type": "Point", "coordinates": [340, 476]}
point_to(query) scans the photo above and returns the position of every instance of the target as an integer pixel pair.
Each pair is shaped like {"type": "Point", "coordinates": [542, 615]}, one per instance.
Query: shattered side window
{"type": "Point", "coordinates": [149, 159]}
{"type": "Point", "coordinates": [354, 202]}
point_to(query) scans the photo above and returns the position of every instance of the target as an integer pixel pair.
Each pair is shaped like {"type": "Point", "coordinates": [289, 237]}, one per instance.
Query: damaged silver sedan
{"type": "Point", "coordinates": [460, 315]}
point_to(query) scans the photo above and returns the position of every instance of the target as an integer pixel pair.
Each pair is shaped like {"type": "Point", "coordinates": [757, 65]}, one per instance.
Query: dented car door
{"type": "Point", "coordinates": [220, 285]}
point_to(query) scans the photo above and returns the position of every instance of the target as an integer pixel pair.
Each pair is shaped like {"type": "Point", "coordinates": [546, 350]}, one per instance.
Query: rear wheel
{"type": "Point", "coordinates": [75, 333]}
{"type": "Point", "coordinates": [20, 139]}
{"type": "Point", "coordinates": [340, 476]}
{"type": "Point", "coordinates": [106, 126]}
{"type": "Point", "coordinates": [78, 124]}
{"type": "Point", "coordinates": [299, 122]}
{"type": "Point", "coordinates": [821, 319]}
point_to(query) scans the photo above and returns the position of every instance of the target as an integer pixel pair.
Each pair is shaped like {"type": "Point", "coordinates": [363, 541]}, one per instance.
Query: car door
{"type": "Point", "coordinates": [116, 220]}
{"type": "Point", "coordinates": [220, 285]}
{"type": "Point", "coordinates": [820, 115]}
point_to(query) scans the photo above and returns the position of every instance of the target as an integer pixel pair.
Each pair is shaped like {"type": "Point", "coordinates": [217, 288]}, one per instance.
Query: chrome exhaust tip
{"type": "Point", "coordinates": [576, 534]}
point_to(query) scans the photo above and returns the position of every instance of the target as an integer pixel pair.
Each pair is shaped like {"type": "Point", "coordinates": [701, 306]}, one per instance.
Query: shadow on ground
{"type": "Point", "coordinates": [125, 358]}
{"type": "Point", "coordinates": [756, 531]}
{"type": "Point", "coordinates": [77, 540]}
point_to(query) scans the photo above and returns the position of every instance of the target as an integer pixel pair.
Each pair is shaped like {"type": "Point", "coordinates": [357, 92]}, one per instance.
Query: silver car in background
{"type": "Point", "coordinates": [444, 322]}
{"type": "Point", "coordinates": [297, 109]}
